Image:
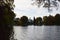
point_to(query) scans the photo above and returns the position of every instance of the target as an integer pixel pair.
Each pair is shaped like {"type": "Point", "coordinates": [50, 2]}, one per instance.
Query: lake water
{"type": "Point", "coordinates": [37, 33]}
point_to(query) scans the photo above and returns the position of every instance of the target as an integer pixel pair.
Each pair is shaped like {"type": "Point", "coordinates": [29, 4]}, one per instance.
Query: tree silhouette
{"type": "Point", "coordinates": [6, 19]}
{"type": "Point", "coordinates": [57, 19]}
{"type": "Point", "coordinates": [38, 21]}
{"type": "Point", "coordinates": [23, 21]}
{"type": "Point", "coordinates": [45, 21]}
{"type": "Point", "coordinates": [47, 3]}
{"type": "Point", "coordinates": [51, 20]}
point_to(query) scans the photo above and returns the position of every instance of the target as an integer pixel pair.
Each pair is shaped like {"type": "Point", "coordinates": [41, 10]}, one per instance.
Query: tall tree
{"type": "Point", "coordinates": [6, 19]}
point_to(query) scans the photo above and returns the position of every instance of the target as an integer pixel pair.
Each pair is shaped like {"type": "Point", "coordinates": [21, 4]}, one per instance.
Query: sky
{"type": "Point", "coordinates": [25, 8]}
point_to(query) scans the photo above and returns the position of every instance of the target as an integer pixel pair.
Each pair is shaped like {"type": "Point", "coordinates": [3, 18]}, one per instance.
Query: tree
{"type": "Point", "coordinates": [57, 19]}
{"type": "Point", "coordinates": [34, 20]}
{"type": "Point", "coordinates": [6, 19]}
{"type": "Point", "coordinates": [45, 21]}
{"type": "Point", "coordinates": [24, 21]}
{"type": "Point", "coordinates": [16, 21]}
{"type": "Point", "coordinates": [50, 20]}
{"type": "Point", "coordinates": [38, 21]}
{"type": "Point", "coordinates": [7, 2]}
{"type": "Point", "coordinates": [47, 3]}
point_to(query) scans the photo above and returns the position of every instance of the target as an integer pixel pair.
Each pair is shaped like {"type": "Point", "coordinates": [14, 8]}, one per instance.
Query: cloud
{"type": "Point", "coordinates": [24, 7]}
{"type": "Point", "coordinates": [23, 4]}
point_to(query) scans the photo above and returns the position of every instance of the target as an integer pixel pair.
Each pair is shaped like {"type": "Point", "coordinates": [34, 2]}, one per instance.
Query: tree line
{"type": "Point", "coordinates": [46, 20]}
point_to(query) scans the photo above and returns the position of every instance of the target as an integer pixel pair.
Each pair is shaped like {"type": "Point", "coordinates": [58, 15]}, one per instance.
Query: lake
{"type": "Point", "coordinates": [37, 33]}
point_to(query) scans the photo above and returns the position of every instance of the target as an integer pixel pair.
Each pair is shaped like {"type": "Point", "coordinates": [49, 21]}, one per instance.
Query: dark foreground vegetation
{"type": "Point", "coordinates": [6, 19]}
{"type": "Point", "coordinates": [46, 20]}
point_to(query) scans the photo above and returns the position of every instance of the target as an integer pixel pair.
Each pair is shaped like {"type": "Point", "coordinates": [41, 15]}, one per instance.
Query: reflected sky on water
{"type": "Point", "coordinates": [37, 33]}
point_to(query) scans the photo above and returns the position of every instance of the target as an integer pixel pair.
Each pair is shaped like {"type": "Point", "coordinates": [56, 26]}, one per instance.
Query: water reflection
{"type": "Point", "coordinates": [37, 33]}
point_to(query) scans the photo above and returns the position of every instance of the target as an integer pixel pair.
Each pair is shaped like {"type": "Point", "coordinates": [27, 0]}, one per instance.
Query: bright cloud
{"type": "Point", "coordinates": [24, 7]}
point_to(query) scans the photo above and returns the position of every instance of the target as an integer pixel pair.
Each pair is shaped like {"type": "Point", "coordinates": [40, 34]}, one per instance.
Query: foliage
{"type": "Point", "coordinates": [6, 19]}
{"type": "Point", "coordinates": [16, 21]}
{"type": "Point", "coordinates": [38, 21]}
{"type": "Point", "coordinates": [46, 3]}
{"type": "Point", "coordinates": [47, 20]}
{"type": "Point", "coordinates": [50, 20]}
{"type": "Point", "coordinates": [8, 16]}
{"type": "Point", "coordinates": [23, 21]}
{"type": "Point", "coordinates": [57, 19]}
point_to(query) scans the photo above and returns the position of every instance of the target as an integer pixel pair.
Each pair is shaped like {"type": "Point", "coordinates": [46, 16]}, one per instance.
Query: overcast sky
{"type": "Point", "coordinates": [24, 7]}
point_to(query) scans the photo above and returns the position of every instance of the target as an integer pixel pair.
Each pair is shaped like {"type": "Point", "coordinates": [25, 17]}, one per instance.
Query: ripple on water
{"type": "Point", "coordinates": [37, 33]}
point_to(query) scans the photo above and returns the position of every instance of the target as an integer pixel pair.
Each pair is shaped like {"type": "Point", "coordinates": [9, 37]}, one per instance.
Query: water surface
{"type": "Point", "coordinates": [37, 33]}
